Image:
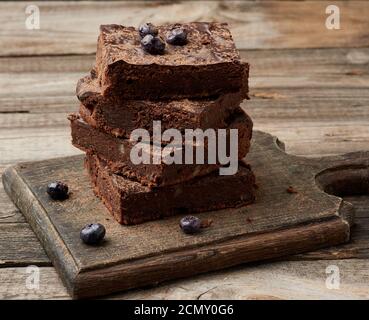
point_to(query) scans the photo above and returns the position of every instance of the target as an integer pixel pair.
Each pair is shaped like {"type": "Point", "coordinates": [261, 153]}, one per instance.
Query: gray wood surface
{"type": "Point", "coordinates": [309, 86]}
{"type": "Point", "coordinates": [276, 280]}
{"type": "Point", "coordinates": [72, 28]}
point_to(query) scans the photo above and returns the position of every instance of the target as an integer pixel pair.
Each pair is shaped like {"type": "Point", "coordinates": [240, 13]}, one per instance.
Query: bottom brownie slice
{"type": "Point", "coordinates": [132, 203]}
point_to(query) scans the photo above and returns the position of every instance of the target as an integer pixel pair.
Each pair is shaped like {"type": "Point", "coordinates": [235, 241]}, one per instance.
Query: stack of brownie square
{"type": "Point", "coordinates": [187, 76]}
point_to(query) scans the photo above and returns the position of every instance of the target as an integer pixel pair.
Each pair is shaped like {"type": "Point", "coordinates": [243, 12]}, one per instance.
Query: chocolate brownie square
{"type": "Point", "coordinates": [132, 203]}
{"type": "Point", "coordinates": [209, 64]}
{"type": "Point", "coordinates": [120, 118]}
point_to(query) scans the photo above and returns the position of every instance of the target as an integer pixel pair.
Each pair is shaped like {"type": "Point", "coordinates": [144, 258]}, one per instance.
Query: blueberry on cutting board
{"type": "Point", "coordinates": [57, 190]}
{"type": "Point", "coordinates": [190, 224]}
{"type": "Point", "coordinates": [93, 233]}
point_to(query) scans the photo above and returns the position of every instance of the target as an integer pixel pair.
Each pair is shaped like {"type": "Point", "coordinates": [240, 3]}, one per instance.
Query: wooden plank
{"type": "Point", "coordinates": [18, 243]}
{"type": "Point", "coordinates": [35, 143]}
{"type": "Point", "coordinates": [14, 285]}
{"type": "Point", "coordinates": [8, 211]}
{"type": "Point", "coordinates": [19, 246]}
{"type": "Point", "coordinates": [255, 25]}
{"type": "Point", "coordinates": [277, 280]}
{"type": "Point", "coordinates": [287, 280]}
{"type": "Point", "coordinates": [315, 138]}
{"type": "Point", "coordinates": [359, 244]}
{"type": "Point", "coordinates": [308, 104]}
{"type": "Point", "coordinates": [310, 68]}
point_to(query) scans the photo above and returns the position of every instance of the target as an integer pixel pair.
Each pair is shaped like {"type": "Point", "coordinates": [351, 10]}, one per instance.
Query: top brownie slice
{"type": "Point", "coordinates": [209, 64]}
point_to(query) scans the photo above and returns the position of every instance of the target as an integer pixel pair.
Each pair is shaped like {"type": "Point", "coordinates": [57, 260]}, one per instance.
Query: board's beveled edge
{"type": "Point", "coordinates": [347, 213]}
{"type": "Point", "coordinates": [211, 257]}
{"type": "Point", "coordinates": [329, 232]}
{"type": "Point", "coordinates": [51, 241]}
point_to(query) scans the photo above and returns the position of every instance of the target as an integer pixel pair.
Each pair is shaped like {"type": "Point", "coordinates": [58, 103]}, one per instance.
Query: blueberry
{"type": "Point", "coordinates": [190, 224]}
{"type": "Point", "coordinates": [177, 37]}
{"type": "Point", "coordinates": [153, 45]}
{"type": "Point", "coordinates": [57, 190]}
{"type": "Point", "coordinates": [147, 28]}
{"type": "Point", "coordinates": [92, 233]}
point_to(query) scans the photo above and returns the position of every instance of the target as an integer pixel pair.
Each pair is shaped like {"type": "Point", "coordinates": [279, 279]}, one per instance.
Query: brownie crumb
{"type": "Point", "coordinates": [291, 189]}
{"type": "Point", "coordinates": [73, 117]}
{"type": "Point", "coordinates": [269, 95]}
{"type": "Point", "coordinates": [93, 73]}
{"type": "Point", "coordinates": [206, 223]}
{"type": "Point", "coordinates": [354, 73]}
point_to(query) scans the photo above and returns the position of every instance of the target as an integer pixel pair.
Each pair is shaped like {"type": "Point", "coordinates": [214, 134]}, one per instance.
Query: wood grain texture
{"type": "Point", "coordinates": [277, 280]}
{"type": "Point", "coordinates": [312, 99]}
{"type": "Point", "coordinates": [358, 247]}
{"type": "Point", "coordinates": [254, 24]}
{"type": "Point", "coordinates": [271, 281]}
{"type": "Point", "coordinates": [279, 223]}
{"type": "Point", "coordinates": [8, 211]}
{"type": "Point", "coordinates": [13, 285]}
{"type": "Point", "coordinates": [19, 245]}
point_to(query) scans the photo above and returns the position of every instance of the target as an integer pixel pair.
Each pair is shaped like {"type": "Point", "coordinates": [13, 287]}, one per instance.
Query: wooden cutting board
{"type": "Point", "coordinates": [292, 214]}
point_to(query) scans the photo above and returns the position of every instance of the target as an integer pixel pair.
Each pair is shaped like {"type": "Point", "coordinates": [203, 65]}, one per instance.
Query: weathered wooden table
{"type": "Point", "coordinates": [309, 86]}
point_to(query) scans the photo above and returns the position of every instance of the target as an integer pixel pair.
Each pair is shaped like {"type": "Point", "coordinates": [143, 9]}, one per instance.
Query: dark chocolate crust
{"type": "Point", "coordinates": [116, 151]}
{"type": "Point", "coordinates": [132, 203]}
{"type": "Point", "coordinates": [121, 117]}
{"type": "Point", "coordinates": [209, 64]}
